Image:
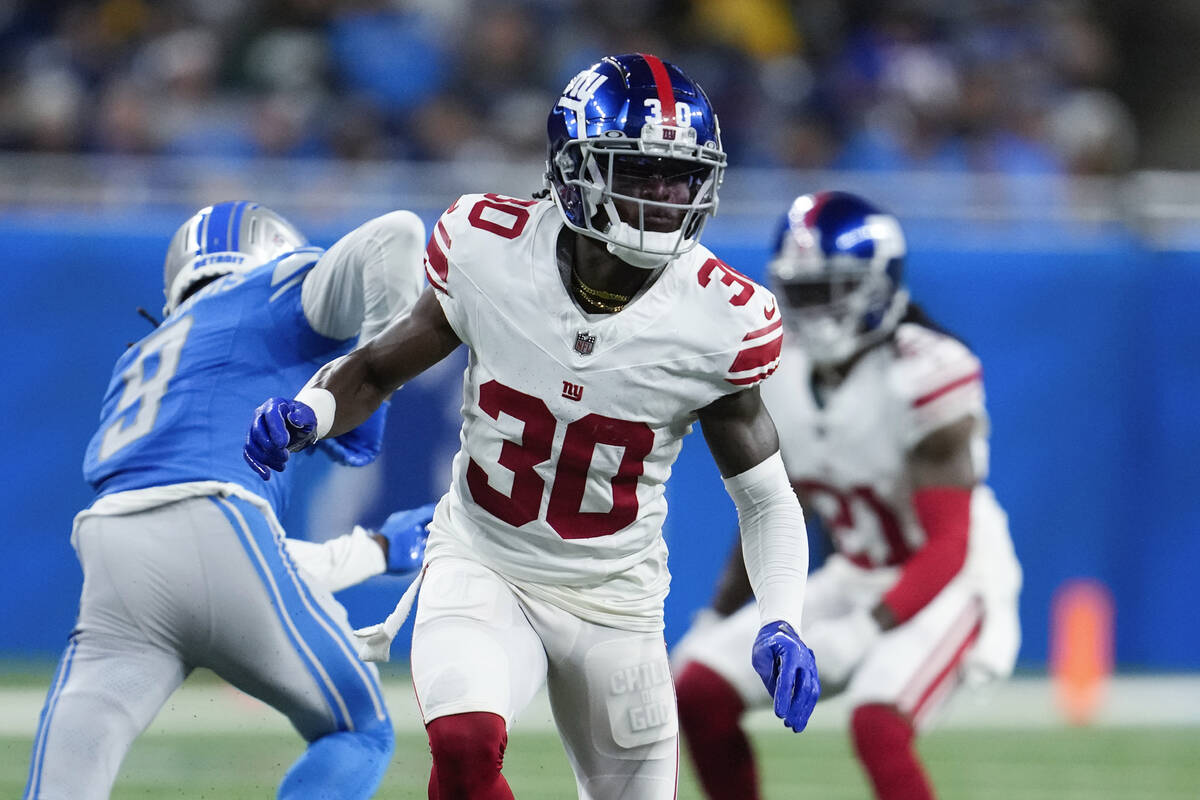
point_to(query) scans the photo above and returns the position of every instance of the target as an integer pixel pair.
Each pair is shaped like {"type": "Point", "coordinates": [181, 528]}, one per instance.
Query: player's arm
{"type": "Point", "coordinates": [347, 390]}
{"type": "Point", "coordinates": [733, 588]}
{"type": "Point", "coordinates": [398, 547]}
{"type": "Point", "coordinates": [745, 445]}
{"type": "Point", "coordinates": [369, 276]}
{"type": "Point", "coordinates": [943, 475]}
{"type": "Point", "coordinates": [359, 381]}
{"type": "Point", "coordinates": [366, 278]}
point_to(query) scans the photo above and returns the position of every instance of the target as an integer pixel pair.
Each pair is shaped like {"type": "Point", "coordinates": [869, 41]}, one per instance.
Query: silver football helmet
{"type": "Point", "coordinates": [236, 236]}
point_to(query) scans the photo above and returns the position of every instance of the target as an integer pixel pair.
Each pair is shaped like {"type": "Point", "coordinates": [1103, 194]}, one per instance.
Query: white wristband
{"type": "Point", "coordinates": [323, 404]}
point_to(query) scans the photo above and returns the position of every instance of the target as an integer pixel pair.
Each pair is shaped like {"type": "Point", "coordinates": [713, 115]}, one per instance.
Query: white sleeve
{"type": "Point", "coordinates": [774, 540]}
{"type": "Point", "coordinates": [369, 276]}
{"type": "Point", "coordinates": [341, 562]}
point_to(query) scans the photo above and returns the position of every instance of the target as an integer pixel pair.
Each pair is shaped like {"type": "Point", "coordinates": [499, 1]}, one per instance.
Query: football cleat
{"type": "Point", "coordinates": [635, 158]}
{"type": "Point", "coordinates": [838, 267]}
{"type": "Point", "coordinates": [236, 236]}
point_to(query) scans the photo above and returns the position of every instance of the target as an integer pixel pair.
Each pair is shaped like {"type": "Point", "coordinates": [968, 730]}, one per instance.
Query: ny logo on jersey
{"type": "Point", "coordinates": [584, 344]}
{"type": "Point", "coordinates": [573, 391]}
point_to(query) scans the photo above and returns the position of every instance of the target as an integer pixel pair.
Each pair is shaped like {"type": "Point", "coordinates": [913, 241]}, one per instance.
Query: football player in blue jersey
{"type": "Point", "coordinates": [185, 564]}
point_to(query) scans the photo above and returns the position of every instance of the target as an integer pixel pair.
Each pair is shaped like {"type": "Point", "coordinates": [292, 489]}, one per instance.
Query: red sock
{"type": "Point", "coordinates": [468, 752]}
{"type": "Point", "coordinates": [709, 712]}
{"type": "Point", "coordinates": [884, 740]}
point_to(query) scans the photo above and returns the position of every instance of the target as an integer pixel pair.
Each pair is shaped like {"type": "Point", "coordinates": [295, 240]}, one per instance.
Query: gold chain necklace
{"type": "Point", "coordinates": [605, 301]}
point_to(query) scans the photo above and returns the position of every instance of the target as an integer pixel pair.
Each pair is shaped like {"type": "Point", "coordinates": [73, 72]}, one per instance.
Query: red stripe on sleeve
{"type": "Point", "coordinates": [437, 257]}
{"type": "Point", "coordinates": [433, 279]}
{"type": "Point", "coordinates": [752, 379]}
{"type": "Point", "coordinates": [758, 356]}
{"type": "Point", "coordinates": [949, 387]}
{"type": "Point", "coordinates": [662, 81]}
{"type": "Point", "coordinates": [763, 331]}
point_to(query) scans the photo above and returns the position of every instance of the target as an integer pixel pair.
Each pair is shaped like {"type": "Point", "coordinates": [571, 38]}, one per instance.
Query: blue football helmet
{"type": "Point", "coordinates": [838, 269]}
{"type": "Point", "coordinates": [620, 123]}
{"type": "Point", "coordinates": [236, 236]}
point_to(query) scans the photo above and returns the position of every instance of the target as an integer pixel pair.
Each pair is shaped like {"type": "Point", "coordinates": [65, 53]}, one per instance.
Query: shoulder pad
{"type": "Point", "coordinates": [494, 215]}
{"type": "Point", "coordinates": [931, 366]}
{"type": "Point", "coordinates": [750, 320]}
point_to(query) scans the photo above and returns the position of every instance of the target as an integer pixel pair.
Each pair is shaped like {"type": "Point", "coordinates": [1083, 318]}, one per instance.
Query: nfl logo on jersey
{"type": "Point", "coordinates": [584, 343]}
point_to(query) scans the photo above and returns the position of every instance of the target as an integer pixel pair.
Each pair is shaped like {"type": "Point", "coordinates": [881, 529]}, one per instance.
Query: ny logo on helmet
{"type": "Point", "coordinates": [578, 93]}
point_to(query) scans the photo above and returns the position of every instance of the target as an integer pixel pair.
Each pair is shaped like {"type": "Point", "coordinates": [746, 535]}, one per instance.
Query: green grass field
{"type": "Point", "coordinates": [1097, 764]}
{"type": "Point", "coordinates": [211, 742]}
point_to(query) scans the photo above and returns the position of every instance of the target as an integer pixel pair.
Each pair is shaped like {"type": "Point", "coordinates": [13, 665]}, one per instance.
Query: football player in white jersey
{"type": "Point", "coordinates": [599, 332]}
{"type": "Point", "coordinates": [883, 430]}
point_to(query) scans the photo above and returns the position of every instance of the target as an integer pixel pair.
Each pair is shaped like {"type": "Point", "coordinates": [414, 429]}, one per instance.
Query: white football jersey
{"type": "Point", "coordinates": [847, 455]}
{"type": "Point", "coordinates": [571, 421]}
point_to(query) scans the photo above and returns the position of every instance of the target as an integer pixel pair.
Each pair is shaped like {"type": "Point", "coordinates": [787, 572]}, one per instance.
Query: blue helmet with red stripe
{"type": "Point", "coordinates": [236, 236]}
{"type": "Point", "coordinates": [838, 269]}
{"type": "Point", "coordinates": [623, 125]}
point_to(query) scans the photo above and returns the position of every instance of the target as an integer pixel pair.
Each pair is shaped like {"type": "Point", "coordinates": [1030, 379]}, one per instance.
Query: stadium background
{"type": "Point", "coordinates": [1039, 155]}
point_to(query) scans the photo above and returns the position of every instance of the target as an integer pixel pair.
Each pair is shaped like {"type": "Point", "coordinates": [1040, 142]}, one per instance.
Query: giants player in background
{"type": "Point", "coordinates": [184, 562]}
{"type": "Point", "coordinates": [599, 332]}
{"type": "Point", "coordinates": [883, 430]}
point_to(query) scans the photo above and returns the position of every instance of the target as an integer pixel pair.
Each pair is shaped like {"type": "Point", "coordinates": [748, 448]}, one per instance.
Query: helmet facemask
{"type": "Point", "coordinates": [838, 271]}
{"type": "Point", "coordinates": [596, 183]}
{"type": "Point", "coordinates": [835, 316]}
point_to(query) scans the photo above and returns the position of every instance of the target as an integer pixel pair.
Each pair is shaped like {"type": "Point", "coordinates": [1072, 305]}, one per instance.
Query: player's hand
{"type": "Point", "coordinates": [406, 533]}
{"type": "Point", "coordinates": [280, 425]}
{"type": "Point", "coordinates": [840, 644]}
{"type": "Point", "coordinates": [789, 671]}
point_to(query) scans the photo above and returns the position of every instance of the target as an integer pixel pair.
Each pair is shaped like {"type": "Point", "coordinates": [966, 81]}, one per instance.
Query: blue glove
{"type": "Point", "coordinates": [361, 446]}
{"type": "Point", "coordinates": [789, 671]}
{"type": "Point", "coordinates": [280, 425]}
{"type": "Point", "coordinates": [406, 533]}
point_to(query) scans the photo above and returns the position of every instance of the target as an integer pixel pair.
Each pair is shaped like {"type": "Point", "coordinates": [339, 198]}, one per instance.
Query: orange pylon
{"type": "Point", "coordinates": [1081, 647]}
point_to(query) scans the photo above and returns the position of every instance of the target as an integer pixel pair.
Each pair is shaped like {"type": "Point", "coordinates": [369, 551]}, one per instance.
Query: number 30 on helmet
{"type": "Point", "coordinates": [838, 268]}
{"type": "Point", "coordinates": [623, 121]}
{"type": "Point", "coordinates": [236, 236]}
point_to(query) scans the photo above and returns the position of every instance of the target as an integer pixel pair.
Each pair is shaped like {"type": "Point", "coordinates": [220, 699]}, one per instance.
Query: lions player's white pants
{"type": "Point", "coordinates": [913, 667]}
{"type": "Point", "coordinates": [480, 644]}
{"type": "Point", "coordinates": [200, 582]}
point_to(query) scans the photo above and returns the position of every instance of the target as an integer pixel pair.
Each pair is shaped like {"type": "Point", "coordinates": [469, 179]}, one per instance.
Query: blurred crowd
{"type": "Point", "coordinates": [1011, 86]}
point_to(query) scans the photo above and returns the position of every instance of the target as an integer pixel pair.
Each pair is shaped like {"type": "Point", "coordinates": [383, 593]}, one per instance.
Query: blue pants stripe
{"type": "Point", "coordinates": [348, 685]}
{"type": "Point", "coordinates": [43, 730]}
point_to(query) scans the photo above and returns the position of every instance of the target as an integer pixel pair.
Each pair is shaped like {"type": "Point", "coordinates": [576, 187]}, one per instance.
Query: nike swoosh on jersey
{"type": "Point", "coordinates": [770, 312]}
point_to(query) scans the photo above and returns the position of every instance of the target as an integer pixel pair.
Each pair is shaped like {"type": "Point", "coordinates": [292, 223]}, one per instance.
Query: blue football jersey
{"type": "Point", "coordinates": [180, 401]}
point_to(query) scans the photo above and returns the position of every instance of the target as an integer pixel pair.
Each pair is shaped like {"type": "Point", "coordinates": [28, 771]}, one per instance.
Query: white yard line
{"type": "Point", "coordinates": [211, 707]}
